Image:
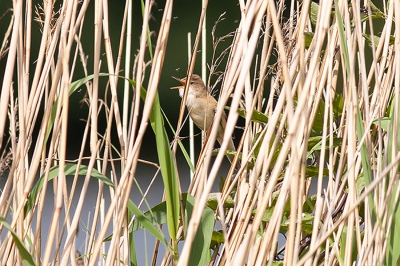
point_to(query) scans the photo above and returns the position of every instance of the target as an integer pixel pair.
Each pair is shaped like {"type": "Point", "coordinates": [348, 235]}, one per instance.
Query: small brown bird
{"type": "Point", "coordinates": [202, 106]}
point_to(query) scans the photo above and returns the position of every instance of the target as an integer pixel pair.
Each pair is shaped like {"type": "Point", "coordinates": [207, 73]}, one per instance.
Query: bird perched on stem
{"type": "Point", "coordinates": [202, 107]}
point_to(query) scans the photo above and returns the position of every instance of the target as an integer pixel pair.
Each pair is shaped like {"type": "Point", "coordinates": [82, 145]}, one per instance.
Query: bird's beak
{"type": "Point", "coordinates": [182, 81]}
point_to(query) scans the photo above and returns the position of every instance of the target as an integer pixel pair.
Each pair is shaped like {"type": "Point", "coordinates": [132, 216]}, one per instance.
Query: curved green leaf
{"type": "Point", "coordinates": [26, 257]}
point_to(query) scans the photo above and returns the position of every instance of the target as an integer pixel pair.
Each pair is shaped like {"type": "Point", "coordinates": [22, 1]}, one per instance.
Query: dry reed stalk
{"type": "Point", "coordinates": [307, 108]}
{"type": "Point", "coordinates": [272, 186]}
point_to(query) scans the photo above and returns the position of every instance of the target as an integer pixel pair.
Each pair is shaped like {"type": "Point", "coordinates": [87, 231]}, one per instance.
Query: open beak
{"type": "Point", "coordinates": [182, 81]}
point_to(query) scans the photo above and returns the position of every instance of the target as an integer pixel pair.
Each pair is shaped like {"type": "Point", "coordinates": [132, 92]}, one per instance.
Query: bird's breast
{"type": "Point", "coordinates": [201, 110]}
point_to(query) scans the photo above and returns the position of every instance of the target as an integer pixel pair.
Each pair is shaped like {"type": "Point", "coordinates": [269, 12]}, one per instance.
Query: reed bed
{"type": "Point", "coordinates": [317, 161]}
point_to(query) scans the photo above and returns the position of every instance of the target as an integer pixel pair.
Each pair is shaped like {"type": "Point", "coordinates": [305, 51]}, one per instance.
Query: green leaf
{"type": "Point", "coordinates": [369, 40]}
{"type": "Point", "coordinates": [338, 104]}
{"type": "Point", "coordinates": [318, 124]}
{"type": "Point", "coordinates": [221, 183]}
{"type": "Point", "coordinates": [308, 36]}
{"type": "Point", "coordinates": [181, 146]}
{"type": "Point", "coordinates": [69, 169]}
{"type": "Point", "coordinates": [216, 239]}
{"type": "Point", "coordinates": [384, 122]}
{"type": "Point", "coordinates": [376, 40]}
{"type": "Point", "coordinates": [375, 13]}
{"type": "Point", "coordinates": [345, 246]}
{"type": "Point", "coordinates": [132, 250]}
{"type": "Point", "coordinates": [168, 170]}
{"type": "Point", "coordinates": [307, 223]}
{"type": "Point", "coordinates": [313, 171]}
{"type": "Point", "coordinates": [267, 214]}
{"type": "Point", "coordinates": [212, 201]}
{"type": "Point", "coordinates": [200, 250]}
{"type": "Point", "coordinates": [156, 216]}
{"type": "Point", "coordinates": [393, 249]}
{"type": "Point", "coordinates": [360, 184]}
{"type": "Point", "coordinates": [257, 136]}
{"type": "Point", "coordinates": [227, 153]}
{"type": "Point", "coordinates": [277, 148]}
{"type": "Point", "coordinates": [25, 255]}
{"type": "Point", "coordinates": [166, 163]}
{"type": "Point", "coordinates": [309, 204]}
{"type": "Point", "coordinates": [256, 116]}
{"type": "Point", "coordinates": [343, 40]}
{"type": "Point", "coordinates": [315, 144]}
{"type": "Point", "coordinates": [72, 88]}
{"type": "Point", "coordinates": [365, 157]}
{"type": "Point", "coordinates": [147, 224]}
{"type": "Point", "coordinates": [314, 13]}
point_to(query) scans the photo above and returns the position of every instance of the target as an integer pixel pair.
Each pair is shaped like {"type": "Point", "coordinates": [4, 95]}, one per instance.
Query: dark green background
{"type": "Point", "coordinates": [186, 15]}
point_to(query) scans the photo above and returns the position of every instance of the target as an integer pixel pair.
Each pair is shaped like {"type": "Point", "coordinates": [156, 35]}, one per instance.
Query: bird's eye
{"type": "Point", "coordinates": [191, 82]}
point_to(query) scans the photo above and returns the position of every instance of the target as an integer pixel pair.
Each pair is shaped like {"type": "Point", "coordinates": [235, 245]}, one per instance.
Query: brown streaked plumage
{"type": "Point", "coordinates": [202, 106]}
